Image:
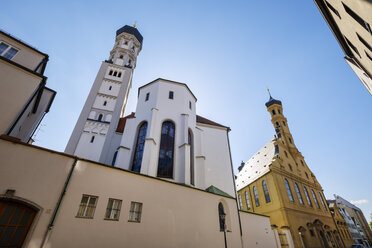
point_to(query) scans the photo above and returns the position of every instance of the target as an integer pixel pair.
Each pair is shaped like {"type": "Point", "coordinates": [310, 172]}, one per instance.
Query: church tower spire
{"type": "Point", "coordinates": [279, 121]}
{"type": "Point", "coordinates": [95, 129]}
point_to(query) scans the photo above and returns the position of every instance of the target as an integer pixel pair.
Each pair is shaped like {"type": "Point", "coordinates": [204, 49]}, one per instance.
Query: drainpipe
{"type": "Point", "coordinates": [59, 203]}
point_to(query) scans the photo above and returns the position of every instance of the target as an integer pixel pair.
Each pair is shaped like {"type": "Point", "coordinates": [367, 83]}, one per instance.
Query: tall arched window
{"type": "Point", "coordinates": [266, 191]}
{"type": "Point", "coordinates": [321, 199]}
{"type": "Point", "coordinates": [247, 200]}
{"type": "Point", "coordinates": [100, 116]}
{"type": "Point", "coordinates": [191, 143]}
{"type": "Point", "coordinates": [166, 152]}
{"type": "Point", "coordinates": [257, 200]}
{"type": "Point", "coordinates": [138, 152]}
{"type": "Point", "coordinates": [299, 194]}
{"type": "Point", "coordinates": [288, 190]}
{"type": "Point", "coordinates": [240, 202]}
{"type": "Point", "coordinates": [221, 213]}
{"type": "Point", "coordinates": [316, 200]}
{"type": "Point", "coordinates": [307, 197]}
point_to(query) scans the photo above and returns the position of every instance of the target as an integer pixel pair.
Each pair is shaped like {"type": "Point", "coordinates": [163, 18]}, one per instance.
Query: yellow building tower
{"type": "Point", "coordinates": [277, 182]}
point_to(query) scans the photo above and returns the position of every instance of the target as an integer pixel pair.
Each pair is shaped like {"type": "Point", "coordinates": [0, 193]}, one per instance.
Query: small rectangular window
{"type": "Point", "coordinates": [333, 9]}
{"type": "Point", "coordinates": [357, 18]}
{"type": "Point", "coordinates": [189, 104]}
{"type": "Point", "coordinates": [92, 139]}
{"type": "Point", "coordinates": [147, 96]}
{"type": "Point", "coordinates": [87, 206]}
{"type": "Point", "coordinates": [113, 209]}
{"type": "Point", "coordinates": [171, 94]}
{"type": "Point", "coordinates": [110, 87]}
{"type": "Point", "coordinates": [3, 47]}
{"type": "Point", "coordinates": [135, 212]}
{"type": "Point", "coordinates": [352, 46]}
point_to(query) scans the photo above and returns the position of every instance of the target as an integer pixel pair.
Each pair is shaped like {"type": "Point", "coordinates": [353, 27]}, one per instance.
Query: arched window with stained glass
{"type": "Point", "coordinates": [166, 152]}
{"type": "Point", "coordinates": [140, 145]}
{"type": "Point", "coordinates": [266, 191]}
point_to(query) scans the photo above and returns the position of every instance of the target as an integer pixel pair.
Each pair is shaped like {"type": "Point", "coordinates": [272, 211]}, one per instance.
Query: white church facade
{"type": "Point", "coordinates": [159, 177]}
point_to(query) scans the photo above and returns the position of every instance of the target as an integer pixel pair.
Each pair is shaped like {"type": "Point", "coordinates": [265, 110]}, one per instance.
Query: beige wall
{"type": "Point", "coordinates": [26, 56]}
{"type": "Point", "coordinates": [257, 231]}
{"type": "Point", "coordinates": [16, 88]}
{"type": "Point", "coordinates": [37, 176]}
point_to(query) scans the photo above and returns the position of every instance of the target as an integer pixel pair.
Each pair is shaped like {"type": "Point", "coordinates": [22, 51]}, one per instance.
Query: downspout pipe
{"type": "Point", "coordinates": [59, 203]}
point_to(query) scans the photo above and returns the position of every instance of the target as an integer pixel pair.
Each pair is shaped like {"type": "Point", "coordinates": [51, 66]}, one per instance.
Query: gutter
{"type": "Point", "coordinates": [59, 203]}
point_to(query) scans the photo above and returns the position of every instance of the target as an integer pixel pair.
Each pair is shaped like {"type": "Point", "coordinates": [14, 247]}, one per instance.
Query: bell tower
{"type": "Point", "coordinates": [94, 131]}
{"type": "Point", "coordinates": [279, 121]}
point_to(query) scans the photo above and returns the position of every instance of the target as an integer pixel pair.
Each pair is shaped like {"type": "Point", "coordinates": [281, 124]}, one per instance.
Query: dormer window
{"type": "Point", "coordinates": [171, 94]}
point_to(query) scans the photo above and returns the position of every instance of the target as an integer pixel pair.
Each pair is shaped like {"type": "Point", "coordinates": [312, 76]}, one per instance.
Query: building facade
{"type": "Point", "coordinates": [277, 182]}
{"type": "Point", "coordinates": [351, 22]}
{"type": "Point", "coordinates": [24, 98]}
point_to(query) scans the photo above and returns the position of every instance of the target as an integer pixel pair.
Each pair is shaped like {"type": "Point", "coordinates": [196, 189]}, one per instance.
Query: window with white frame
{"type": "Point", "coordinates": [87, 206]}
{"type": "Point", "coordinates": [7, 51]}
{"type": "Point", "coordinates": [135, 212]}
{"type": "Point", "coordinates": [113, 209]}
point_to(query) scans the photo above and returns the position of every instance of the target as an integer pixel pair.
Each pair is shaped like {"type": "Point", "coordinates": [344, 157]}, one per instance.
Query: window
{"type": "Point", "coordinates": [119, 75]}
{"type": "Point", "coordinates": [7, 51]}
{"type": "Point", "coordinates": [256, 196]}
{"type": "Point", "coordinates": [189, 104]}
{"type": "Point", "coordinates": [302, 162]}
{"type": "Point", "coordinates": [110, 87]}
{"type": "Point", "coordinates": [286, 154]}
{"type": "Point", "coordinates": [221, 212]}
{"type": "Point", "coordinates": [135, 212]}
{"type": "Point", "coordinates": [266, 191]}
{"type": "Point", "coordinates": [171, 93]}
{"type": "Point", "coordinates": [129, 62]}
{"type": "Point", "coordinates": [279, 111]}
{"type": "Point", "coordinates": [284, 123]}
{"type": "Point", "coordinates": [321, 199]}
{"type": "Point", "coordinates": [370, 57]}
{"type": "Point", "coordinates": [352, 46]}
{"type": "Point", "coordinates": [87, 206]}
{"type": "Point", "coordinates": [273, 111]}
{"type": "Point", "coordinates": [290, 140]}
{"type": "Point", "coordinates": [364, 42]}
{"type": "Point", "coordinates": [240, 202]}
{"type": "Point", "coordinates": [92, 139]}
{"type": "Point", "coordinates": [314, 196]}
{"type": "Point", "coordinates": [277, 124]}
{"type": "Point", "coordinates": [165, 163]}
{"type": "Point", "coordinates": [147, 96]}
{"type": "Point", "coordinates": [307, 197]}
{"type": "Point", "coordinates": [312, 233]}
{"type": "Point", "coordinates": [100, 116]}
{"type": "Point", "coordinates": [115, 73]}
{"type": "Point", "coordinates": [307, 176]}
{"type": "Point", "coordinates": [247, 200]}
{"type": "Point", "coordinates": [125, 42]}
{"type": "Point", "coordinates": [114, 158]}
{"type": "Point", "coordinates": [110, 73]}
{"type": "Point", "coordinates": [138, 152]}
{"type": "Point", "coordinates": [276, 149]}
{"type": "Point", "coordinates": [121, 56]}
{"type": "Point", "coordinates": [288, 190]}
{"type": "Point", "coordinates": [357, 18]}
{"type": "Point", "coordinates": [333, 9]}
{"type": "Point", "coordinates": [190, 141]}
{"type": "Point", "coordinates": [290, 167]}
{"type": "Point", "coordinates": [113, 209]}
{"type": "Point", "coordinates": [299, 196]}
{"type": "Point", "coordinates": [104, 103]}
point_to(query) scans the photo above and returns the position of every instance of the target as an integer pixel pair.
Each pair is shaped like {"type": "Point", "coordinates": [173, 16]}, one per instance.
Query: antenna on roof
{"type": "Point", "coordinates": [135, 24]}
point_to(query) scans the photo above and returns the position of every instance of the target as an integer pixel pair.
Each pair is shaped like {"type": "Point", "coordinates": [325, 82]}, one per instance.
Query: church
{"type": "Point", "coordinates": [159, 177]}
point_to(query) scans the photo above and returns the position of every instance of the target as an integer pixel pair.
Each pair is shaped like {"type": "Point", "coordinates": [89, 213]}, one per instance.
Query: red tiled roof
{"type": "Point", "coordinates": [203, 120]}
{"type": "Point", "coordinates": [123, 121]}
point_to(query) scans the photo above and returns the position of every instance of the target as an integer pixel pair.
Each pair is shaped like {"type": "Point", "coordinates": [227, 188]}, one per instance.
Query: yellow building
{"type": "Point", "coordinates": [342, 227]}
{"type": "Point", "coordinates": [277, 182]}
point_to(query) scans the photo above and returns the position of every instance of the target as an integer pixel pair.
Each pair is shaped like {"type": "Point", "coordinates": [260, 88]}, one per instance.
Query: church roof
{"type": "Point", "coordinates": [203, 120]}
{"type": "Point", "coordinates": [256, 166]}
{"type": "Point", "coordinates": [272, 101]}
{"type": "Point", "coordinates": [130, 30]}
{"type": "Point", "coordinates": [123, 121]}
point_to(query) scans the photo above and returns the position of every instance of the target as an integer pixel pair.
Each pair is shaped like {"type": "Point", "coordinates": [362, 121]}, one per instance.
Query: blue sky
{"type": "Point", "coordinates": [228, 52]}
